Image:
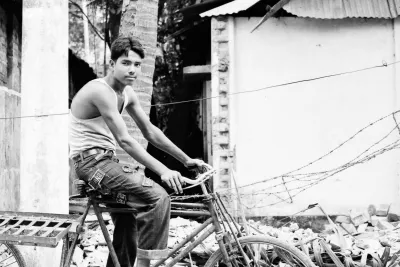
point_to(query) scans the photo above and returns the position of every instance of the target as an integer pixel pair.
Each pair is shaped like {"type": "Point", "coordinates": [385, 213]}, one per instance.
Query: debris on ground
{"type": "Point", "coordinates": [92, 251]}
{"type": "Point", "coordinates": [366, 237]}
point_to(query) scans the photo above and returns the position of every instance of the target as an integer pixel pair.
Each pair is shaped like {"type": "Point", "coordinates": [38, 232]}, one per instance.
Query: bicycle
{"type": "Point", "coordinates": [236, 249]}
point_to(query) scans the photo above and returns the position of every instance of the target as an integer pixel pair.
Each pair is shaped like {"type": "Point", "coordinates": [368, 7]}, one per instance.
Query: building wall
{"type": "Point", "coordinates": [10, 106]}
{"type": "Point", "coordinates": [220, 82]}
{"type": "Point", "coordinates": [280, 129]}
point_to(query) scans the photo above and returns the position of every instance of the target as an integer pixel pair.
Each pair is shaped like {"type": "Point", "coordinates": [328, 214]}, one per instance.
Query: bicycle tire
{"type": "Point", "coordinates": [300, 257]}
{"type": "Point", "coordinates": [10, 256]}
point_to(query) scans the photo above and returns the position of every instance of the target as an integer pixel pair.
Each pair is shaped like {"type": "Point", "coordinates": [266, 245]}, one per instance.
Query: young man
{"type": "Point", "coordinates": [95, 126]}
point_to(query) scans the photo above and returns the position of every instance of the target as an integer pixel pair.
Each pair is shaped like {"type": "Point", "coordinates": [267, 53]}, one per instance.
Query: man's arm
{"type": "Point", "coordinates": [154, 135]}
{"type": "Point", "coordinates": [103, 99]}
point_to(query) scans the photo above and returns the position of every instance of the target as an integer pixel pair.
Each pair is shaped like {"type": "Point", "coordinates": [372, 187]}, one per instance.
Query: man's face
{"type": "Point", "coordinates": [126, 68]}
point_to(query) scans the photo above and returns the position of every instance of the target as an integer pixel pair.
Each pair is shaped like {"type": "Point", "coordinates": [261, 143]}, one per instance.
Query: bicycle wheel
{"type": "Point", "coordinates": [10, 256]}
{"type": "Point", "coordinates": [263, 251]}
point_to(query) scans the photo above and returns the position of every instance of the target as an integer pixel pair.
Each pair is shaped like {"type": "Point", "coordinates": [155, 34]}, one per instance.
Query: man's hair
{"type": "Point", "coordinates": [122, 45]}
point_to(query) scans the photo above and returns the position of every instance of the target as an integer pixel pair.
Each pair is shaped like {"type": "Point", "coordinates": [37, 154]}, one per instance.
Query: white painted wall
{"type": "Point", "coordinates": [44, 140]}
{"type": "Point", "coordinates": [280, 129]}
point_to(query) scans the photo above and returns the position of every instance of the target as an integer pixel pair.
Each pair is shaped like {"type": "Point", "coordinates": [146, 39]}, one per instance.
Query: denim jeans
{"type": "Point", "coordinates": [144, 235]}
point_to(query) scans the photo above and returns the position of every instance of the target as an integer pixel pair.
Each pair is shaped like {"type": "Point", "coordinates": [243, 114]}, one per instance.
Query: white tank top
{"type": "Point", "coordinates": [90, 133]}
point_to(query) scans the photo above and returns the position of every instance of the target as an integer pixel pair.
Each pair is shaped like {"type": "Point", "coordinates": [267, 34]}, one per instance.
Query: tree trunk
{"type": "Point", "coordinates": [85, 31]}
{"type": "Point", "coordinates": [139, 20]}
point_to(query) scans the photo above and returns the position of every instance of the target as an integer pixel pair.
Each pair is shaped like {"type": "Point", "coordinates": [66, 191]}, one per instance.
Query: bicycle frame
{"type": "Point", "coordinates": [222, 238]}
{"type": "Point", "coordinates": [215, 227]}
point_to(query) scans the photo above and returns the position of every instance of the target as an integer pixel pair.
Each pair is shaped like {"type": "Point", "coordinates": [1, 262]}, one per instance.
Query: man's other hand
{"type": "Point", "coordinates": [174, 180]}
{"type": "Point", "coordinates": [198, 165]}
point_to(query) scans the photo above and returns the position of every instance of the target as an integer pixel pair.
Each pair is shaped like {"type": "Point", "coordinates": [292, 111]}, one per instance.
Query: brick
{"type": "Point", "coordinates": [223, 127]}
{"type": "Point", "coordinates": [224, 178]}
{"type": "Point", "coordinates": [220, 25]}
{"type": "Point", "coordinates": [342, 219]}
{"type": "Point", "coordinates": [225, 165]}
{"type": "Point", "coordinates": [394, 213]}
{"type": "Point", "coordinates": [362, 228]}
{"type": "Point", "coordinates": [223, 153]}
{"type": "Point", "coordinates": [223, 88]}
{"type": "Point", "coordinates": [221, 38]}
{"type": "Point", "coordinates": [223, 120]}
{"type": "Point", "coordinates": [223, 101]}
{"type": "Point", "coordinates": [372, 244]}
{"type": "Point", "coordinates": [224, 172]}
{"type": "Point", "coordinates": [223, 65]}
{"type": "Point", "coordinates": [223, 114]}
{"type": "Point", "coordinates": [383, 225]}
{"type": "Point", "coordinates": [370, 229]}
{"type": "Point", "coordinates": [359, 217]}
{"type": "Point", "coordinates": [382, 210]}
{"type": "Point", "coordinates": [372, 210]}
{"type": "Point", "coordinates": [349, 228]}
{"type": "Point", "coordinates": [222, 140]}
{"type": "Point", "coordinates": [374, 220]}
{"type": "Point", "coordinates": [223, 184]}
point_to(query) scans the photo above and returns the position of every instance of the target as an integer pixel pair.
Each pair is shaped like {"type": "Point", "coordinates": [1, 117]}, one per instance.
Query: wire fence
{"type": "Point", "coordinates": [285, 187]}
{"type": "Point", "coordinates": [384, 64]}
{"type": "Point", "coordinates": [290, 184]}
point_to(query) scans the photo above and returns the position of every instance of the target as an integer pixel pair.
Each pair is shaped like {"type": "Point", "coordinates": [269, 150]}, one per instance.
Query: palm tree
{"type": "Point", "coordinates": [139, 19]}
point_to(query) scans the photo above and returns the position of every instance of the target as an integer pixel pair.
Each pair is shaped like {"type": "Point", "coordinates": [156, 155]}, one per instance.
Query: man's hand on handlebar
{"type": "Point", "coordinates": [174, 180]}
{"type": "Point", "coordinates": [197, 165]}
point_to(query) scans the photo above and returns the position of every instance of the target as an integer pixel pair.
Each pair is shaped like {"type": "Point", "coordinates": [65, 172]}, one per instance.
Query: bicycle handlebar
{"type": "Point", "coordinates": [201, 178]}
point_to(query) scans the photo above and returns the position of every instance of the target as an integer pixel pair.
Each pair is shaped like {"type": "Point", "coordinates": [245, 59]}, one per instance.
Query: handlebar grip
{"type": "Point", "coordinates": [200, 178]}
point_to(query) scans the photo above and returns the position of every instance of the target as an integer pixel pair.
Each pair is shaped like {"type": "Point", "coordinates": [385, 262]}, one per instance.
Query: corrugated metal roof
{"type": "Point", "coordinates": [338, 9]}
{"type": "Point", "coordinates": [230, 8]}
{"type": "Point", "coordinates": [322, 9]}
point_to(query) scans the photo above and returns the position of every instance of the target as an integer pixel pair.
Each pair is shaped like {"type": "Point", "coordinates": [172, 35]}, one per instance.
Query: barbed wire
{"type": "Point", "coordinates": [384, 64]}
{"type": "Point", "coordinates": [311, 179]}
{"type": "Point", "coordinates": [297, 190]}
{"type": "Point", "coordinates": [327, 154]}
{"type": "Point", "coordinates": [326, 174]}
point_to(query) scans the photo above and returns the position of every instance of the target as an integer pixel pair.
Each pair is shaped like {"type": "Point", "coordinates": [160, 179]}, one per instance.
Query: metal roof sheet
{"type": "Point", "coordinates": [322, 9]}
{"type": "Point", "coordinates": [338, 9]}
{"type": "Point", "coordinates": [230, 8]}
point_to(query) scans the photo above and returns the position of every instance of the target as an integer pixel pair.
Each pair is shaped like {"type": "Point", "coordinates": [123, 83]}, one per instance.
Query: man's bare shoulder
{"type": "Point", "coordinates": [95, 90]}
{"type": "Point", "coordinates": [132, 97]}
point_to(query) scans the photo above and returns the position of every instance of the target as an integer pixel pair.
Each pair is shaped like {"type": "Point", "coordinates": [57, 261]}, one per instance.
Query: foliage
{"type": "Point", "coordinates": [96, 18]}
{"type": "Point", "coordinates": [76, 32]}
{"type": "Point", "coordinates": [169, 64]}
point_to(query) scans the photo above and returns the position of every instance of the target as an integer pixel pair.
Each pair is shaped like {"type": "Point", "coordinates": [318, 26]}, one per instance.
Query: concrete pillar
{"type": "Point", "coordinates": [44, 140]}
{"type": "Point", "coordinates": [396, 36]}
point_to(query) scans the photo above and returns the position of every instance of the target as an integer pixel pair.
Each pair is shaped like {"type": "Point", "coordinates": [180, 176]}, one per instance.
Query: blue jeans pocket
{"type": "Point", "coordinates": [95, 180]}
{"type": "Point", "coordinates": [147, 182]}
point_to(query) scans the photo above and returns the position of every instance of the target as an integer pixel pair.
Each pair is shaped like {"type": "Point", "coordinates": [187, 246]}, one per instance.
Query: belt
{"type": "Point", "coordinates": [89, 152]}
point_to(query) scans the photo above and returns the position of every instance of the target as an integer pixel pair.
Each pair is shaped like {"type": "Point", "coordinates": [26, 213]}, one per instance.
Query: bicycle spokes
{"type": "Point", "coordinates": [7, 257]}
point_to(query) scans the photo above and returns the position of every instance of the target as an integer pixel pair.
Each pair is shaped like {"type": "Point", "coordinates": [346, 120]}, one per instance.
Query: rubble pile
{"type": "Point", "coordinates": [92, 251]}
{"type": "Point", "coordinates": [366, 237]}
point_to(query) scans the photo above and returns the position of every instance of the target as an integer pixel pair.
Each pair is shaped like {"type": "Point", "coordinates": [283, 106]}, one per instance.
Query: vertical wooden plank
{"type": "Point", "coordinates": [208, 120]}
{"type": "Point", "coordinates": [203, 120]}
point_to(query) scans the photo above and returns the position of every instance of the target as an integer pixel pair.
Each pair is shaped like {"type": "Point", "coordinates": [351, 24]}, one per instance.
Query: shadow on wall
{"type": "Point", "coordinates": [79, 73]}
